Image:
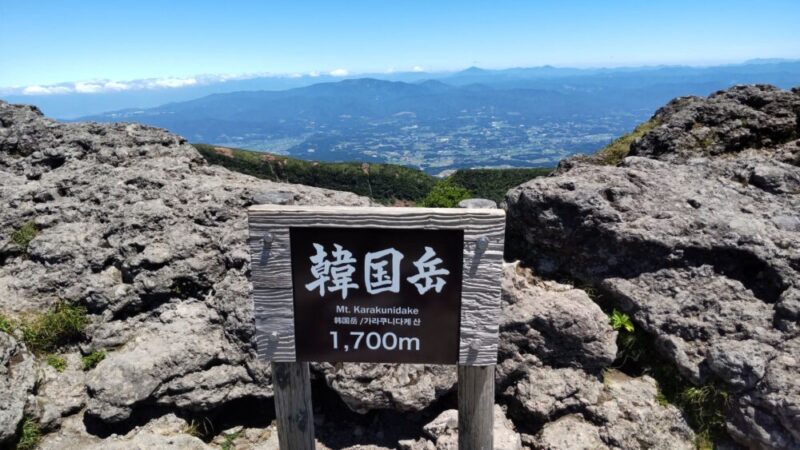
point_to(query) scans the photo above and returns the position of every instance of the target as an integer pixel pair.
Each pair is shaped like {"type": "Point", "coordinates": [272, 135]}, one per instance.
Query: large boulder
{"type": "Point", "coordinates": [699, 245]}
{"type": "Point", "coordinates": [557, 323]}
{"type": "Point", "coordinates": [628, 417]}
{"type": "Point", "coordinates": [182, 360]}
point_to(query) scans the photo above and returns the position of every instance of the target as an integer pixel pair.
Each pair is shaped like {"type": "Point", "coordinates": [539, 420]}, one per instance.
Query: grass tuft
{"type": "Point", "coordinates": [47, 332]}
{"type": "Point", "coordinates": [57, 362]}
{"type": "Point", "coordinates": [91, 360]}
{"type": "Point", "coordinates": [31, 435]}
{"type": "Point", "coordinates": [24, 235]}
{"type": "Point", "coordinates": [193, 429]}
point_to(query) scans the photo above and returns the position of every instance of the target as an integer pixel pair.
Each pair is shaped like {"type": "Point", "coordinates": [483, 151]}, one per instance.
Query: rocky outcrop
{"type": "Point", "coordinates": [554, 374]}
{"type": "Point", "coordinates": [697, 237]}
{"type": "Point", "coordinates": [729, 121]}
{"type": "Point", "coordinates": [132, 224]}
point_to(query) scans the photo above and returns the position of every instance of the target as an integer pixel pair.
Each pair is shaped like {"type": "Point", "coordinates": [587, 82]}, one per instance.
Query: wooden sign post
{"type": "Point", "coordinates": [396, 285]}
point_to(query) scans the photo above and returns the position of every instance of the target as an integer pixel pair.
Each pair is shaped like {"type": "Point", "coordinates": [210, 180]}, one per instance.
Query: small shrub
{"type": "Point", "coordinates": [6, 325]}
{"type": "Point", "coordinates": [31, 435]}
{"type": "Point", "coordinates": [57, 362]}
{"type": "Point", "coordinates": [24, 235]}
{"type": "Point", "coordinates": [445, 194]}
{"type": "Point", "coordinates": [91, 360]}
{"type": "Point", "coordinates": [46, 332]}
{"type": "Point", "coordinates": [621, 321]}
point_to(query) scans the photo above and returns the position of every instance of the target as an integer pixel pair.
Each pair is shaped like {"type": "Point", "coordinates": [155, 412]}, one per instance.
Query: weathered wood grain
{"type": "Point", "coordinates": [272, 280]}
{"type": "Point", "coordinates": [475, 407]}
{"type": "Point", "coordinates": [293, 409]}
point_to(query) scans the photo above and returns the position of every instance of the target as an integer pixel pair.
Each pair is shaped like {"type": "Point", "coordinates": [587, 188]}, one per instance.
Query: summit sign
{"type": "Point", "coordinates": [364, 284]}
{"type": "Point", "coordinates": [377, 295]}
{"type": "Point", "coordinates": [383, 285]}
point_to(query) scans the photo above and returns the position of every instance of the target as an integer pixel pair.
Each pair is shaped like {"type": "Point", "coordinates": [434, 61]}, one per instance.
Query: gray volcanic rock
{"type": "Point", "coordinates": [166, 432]}
{"type": "Point", "coordinates": [135, 226]}
{"type": "Point", "coordinates": [628, 417]}
{"type": "Point", "coordinates": [442, 433]}
{"type": "Point", "coordinates": [706, 323]}
{"type": "Point", "coordinates": [555, 352]}
{"type": "Point", "coordinates": [181, 359]}
{"type": "Point", "coordinates": [702, 251]}
{"type": "Point", "coordinates": [405, 387]}
{"type": "Point", "coordinates": [735, 119]}
{"type": "Point", "coordinates": [17, 379]}
{"type": "Point", "coordinates": [571, 432]}
{"type": "Point", "coordinates": [540, 394]}
{"type": "Point", "coordinates": [557, 323]}
{"type": "Point", "coordinates": [60, 394]}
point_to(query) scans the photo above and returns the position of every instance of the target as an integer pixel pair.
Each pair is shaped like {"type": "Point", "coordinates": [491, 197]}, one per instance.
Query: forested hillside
{"type": "Point", "coordinates": [385, 183]}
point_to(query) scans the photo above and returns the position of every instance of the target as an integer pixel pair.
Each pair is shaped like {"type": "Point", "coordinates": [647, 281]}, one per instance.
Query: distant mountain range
{"type": "Point", "coordinates": [473, 118]}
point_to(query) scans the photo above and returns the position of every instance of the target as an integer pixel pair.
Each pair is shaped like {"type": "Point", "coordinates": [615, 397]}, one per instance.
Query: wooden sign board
{"type": "Point", "coordinates": [362, 284]}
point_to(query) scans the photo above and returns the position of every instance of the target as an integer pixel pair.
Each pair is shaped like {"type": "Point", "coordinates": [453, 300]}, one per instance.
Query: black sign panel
{"type": "Point", "coordinates": [377, 295]}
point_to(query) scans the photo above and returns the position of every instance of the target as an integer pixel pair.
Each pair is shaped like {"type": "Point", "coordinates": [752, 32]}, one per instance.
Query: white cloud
{"type": "Point", "coordinates": [106, 85]}
{"type": "Point", "coordinates": [45, 90]}
{"type": "Point", "coordinates": [116, 86]}
{"type": "Point", "coordinates": [88, 88]}
{"type": "Point", "coordinates": [172, 82]}
{"type": "Point", "coordinates": [418, 69]}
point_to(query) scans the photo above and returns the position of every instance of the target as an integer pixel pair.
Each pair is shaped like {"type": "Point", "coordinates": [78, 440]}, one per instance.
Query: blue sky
{"type": "Point", "coordinates": [47, 42]}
